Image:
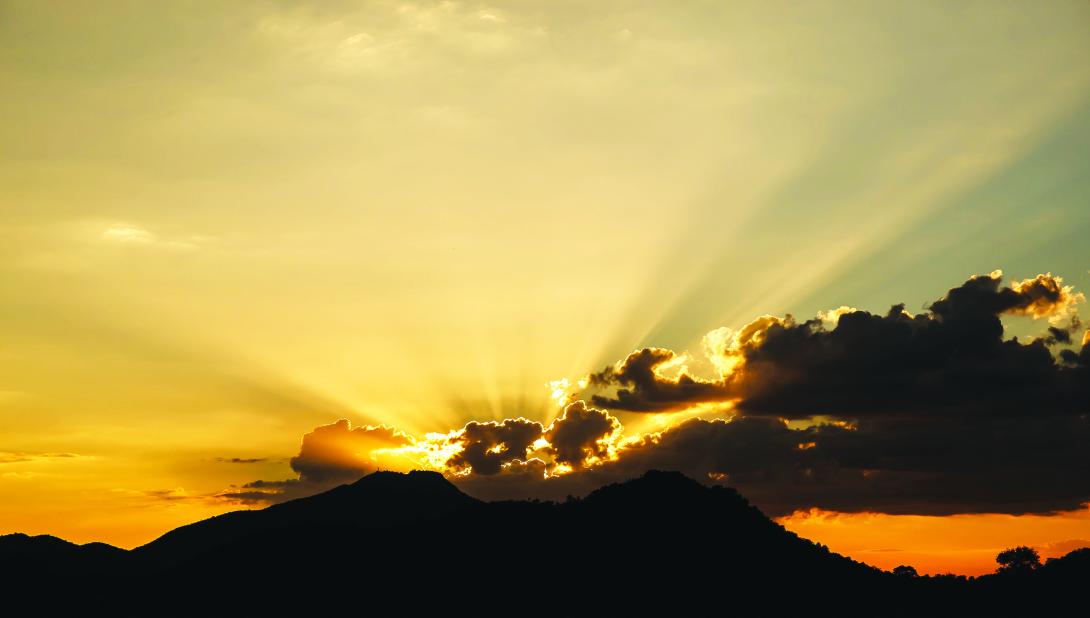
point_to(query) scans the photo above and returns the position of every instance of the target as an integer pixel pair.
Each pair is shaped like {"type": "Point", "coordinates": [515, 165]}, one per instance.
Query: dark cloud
{"type": "Point", "coordinates": [582, 434]}
{"type": "Point", "coordinates": [893, 464]}
{"type": "Point", "coordinates": [1058, 335]}
{"type": "Point", "coordinates": [936, 413]}
{"type": "Point", "coordinates": [334, 454]}
{"type": "Point", "coordinates": [643, 389]}
{"type": "Point", "coordinates": [744, 448]}
{"type": "Point", "coordinates": [913, 466]}
{"type": "Point", "coordinates": [980, 296]}
{"type": "Point", "coordinates": [1080, 359]}
{"type": "Point", "coordinates": [951, 359]}
{"type": "Point", "coordinates": [487, 446]}
{"type": "Point", "coordinates": [263, 492]}
{"type": "Point", "coordinates": [242, 460]}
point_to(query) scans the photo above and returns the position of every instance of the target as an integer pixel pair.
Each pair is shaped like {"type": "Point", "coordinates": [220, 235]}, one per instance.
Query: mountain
{"type": "Point", "coordinates": [49, 556]}
{"type": "Point", "coordinates": [377, 501]}
{"type": "Point", "coordinates": [411, 544]}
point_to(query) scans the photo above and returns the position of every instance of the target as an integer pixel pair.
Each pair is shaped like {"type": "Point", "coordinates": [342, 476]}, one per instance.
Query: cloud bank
{"type": "Point", "coordinates": [936, 413]}
{"type": "Point", "coordinates": [952, 357]}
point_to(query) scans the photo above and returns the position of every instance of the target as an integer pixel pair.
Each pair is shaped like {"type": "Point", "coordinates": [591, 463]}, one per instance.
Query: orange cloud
{"type": "Point", "coordinates": [1045, 296]}
{"type": "Point", "coordinates": [338, 451]}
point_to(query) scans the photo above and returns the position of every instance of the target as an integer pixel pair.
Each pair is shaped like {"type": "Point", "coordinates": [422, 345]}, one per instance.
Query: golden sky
{"type": "Point", "coordinates": [226, 224]}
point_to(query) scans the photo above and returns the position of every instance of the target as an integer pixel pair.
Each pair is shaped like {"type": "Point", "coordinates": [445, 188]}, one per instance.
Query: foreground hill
{"type": "Point", "coordinates": [398, 544]}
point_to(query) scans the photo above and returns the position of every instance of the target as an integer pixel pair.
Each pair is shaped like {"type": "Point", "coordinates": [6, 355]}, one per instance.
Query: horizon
{"type": "Point", "coordinates": [896, 558]}
{"type": "Point", "coordinates": [831, 256]}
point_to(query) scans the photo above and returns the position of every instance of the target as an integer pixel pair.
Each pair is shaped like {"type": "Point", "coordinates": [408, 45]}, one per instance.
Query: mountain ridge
{"type": "Point", "coordinates": [408, 543]}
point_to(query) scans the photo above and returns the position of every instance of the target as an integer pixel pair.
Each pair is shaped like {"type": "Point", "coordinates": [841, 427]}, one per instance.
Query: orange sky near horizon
{"type": "Point", "coordinates": [958, 544]}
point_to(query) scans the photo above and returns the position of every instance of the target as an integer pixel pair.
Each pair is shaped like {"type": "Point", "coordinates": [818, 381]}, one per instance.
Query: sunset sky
{"type": "Point", "coordinates": [227, 225]}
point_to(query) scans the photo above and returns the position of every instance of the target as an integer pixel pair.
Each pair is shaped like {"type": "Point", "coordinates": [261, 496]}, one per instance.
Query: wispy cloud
{"type": "Point", "coordinates": [128, 233]}
{"type": "Point", "coordinates": [123, 232]}
{"type": "Point", "coordinates": [174, 495]}
{"type": "Point", "coordinates": [8, 457]}
{"type": "Point", "coordinates": [242, 460]}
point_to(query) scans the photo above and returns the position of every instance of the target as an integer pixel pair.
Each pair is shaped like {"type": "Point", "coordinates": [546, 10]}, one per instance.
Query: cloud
{"type": "Point", "coordinates": [338, 452]}
{"type": "Point", "coordinates": [487, 446]}
{"type": "Point", "coordinates": [242, 460]}
{"type": "Point", "coordinates": [932, 413]}
{"type": "Point", "coordinates": [125, 233]}
{"type": "Point", "coordinates": [1079, 359]}
{"type": "Point", "coordinates": [1044, 296]}
{"type": "Point", "coordinates": [915, 465]}
{"type": "Point", "coordinates": [7, 457]}
{"type": "Point", "coordinates": [898, 466]}
{"type": "Point", "coordinates": [643, 388]}
{"type": "Point", "coordinates": [129, 234]}
{"type": "Point", "coordinates": [952, 357]}
{"type": "Point", "coordinates": [936, 413]}
{"type": "Point", "coordinates": [329, 455]}
{"type": "Point", "coordinates": [171, 495]}
{"type": "Point", "coordinates": [582, 435]}
{"type": "Point", "coordinates": [265, 492]}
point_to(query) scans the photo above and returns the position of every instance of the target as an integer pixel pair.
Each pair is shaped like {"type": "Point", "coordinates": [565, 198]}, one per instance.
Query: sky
{"type": "Point", "coordinates": [228, 225]}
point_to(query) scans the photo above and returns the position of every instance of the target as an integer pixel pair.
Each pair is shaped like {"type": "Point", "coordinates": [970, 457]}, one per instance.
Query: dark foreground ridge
{"type": "Point", "coordinates": [412, 544]}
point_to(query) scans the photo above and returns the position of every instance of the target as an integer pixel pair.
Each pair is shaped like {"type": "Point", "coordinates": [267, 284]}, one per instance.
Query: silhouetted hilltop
{"type": "Point", "coordinates": [42, 570]}
{"type": "Point", "coordinates": [410, 544]}
{"type": "Point", "coordinates": [47, 552]}
{"type": "Point", "coordinates": [381, 499]}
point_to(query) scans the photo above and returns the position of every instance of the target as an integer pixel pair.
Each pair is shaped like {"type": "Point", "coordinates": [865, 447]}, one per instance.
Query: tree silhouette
{"type": "Point", "coordinates": [905, 571]}
{"type": "Point", "coordinates": [1021, 559]}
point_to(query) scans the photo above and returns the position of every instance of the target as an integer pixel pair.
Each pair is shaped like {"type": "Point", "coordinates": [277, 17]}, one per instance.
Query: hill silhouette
{"type": "Point", "coordinates": [410, 544]}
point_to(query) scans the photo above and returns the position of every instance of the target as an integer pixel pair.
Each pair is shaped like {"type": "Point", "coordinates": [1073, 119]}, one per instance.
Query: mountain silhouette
{"type": "Point", "coordinates": [376, 501]}
{"type": "Point", "coordinates": [411, 544]}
